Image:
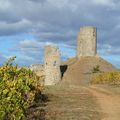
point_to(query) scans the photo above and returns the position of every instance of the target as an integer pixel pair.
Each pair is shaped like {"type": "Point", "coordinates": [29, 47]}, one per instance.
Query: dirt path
{"type": "Point", "coordinates": [77, 103]}
{"type": "Point", "coordinates": [66, 103]}
{"type": "Point", "coordinates": [109, 103]}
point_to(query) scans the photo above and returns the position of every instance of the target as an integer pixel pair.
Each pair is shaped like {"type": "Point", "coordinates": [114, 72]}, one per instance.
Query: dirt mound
{"type": "Point", "coordinates": [78, 71]}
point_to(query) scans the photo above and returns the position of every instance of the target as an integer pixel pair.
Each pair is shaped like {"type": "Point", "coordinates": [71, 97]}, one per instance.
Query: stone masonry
{"type": "Point", "coordinates": [38, 69]}
{"type": "Point", "coordinates": [86, 41]}
{"type": "Point", "coordinates": [52, 65]}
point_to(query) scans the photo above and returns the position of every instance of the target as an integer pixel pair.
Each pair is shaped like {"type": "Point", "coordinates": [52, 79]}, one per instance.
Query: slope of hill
{"type": "Point", "coordinates": [78, 71]}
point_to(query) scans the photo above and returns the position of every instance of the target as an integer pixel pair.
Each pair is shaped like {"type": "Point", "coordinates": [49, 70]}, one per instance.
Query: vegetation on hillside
{"type": "Point", "coordinates": [18, 88]}
{"type": "Point", "coordinates": [112, 78]}
{"type": "Point", "coordinates": [96, 69]}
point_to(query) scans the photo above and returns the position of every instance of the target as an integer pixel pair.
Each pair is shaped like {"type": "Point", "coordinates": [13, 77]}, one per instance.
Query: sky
{"type": "Point", "coordinates": [26, 26]}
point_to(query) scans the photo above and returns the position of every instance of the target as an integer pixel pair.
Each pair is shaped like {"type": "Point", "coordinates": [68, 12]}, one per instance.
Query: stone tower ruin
{"type": "Point", "coordinates": [86, 41]}
{"type": "Point", "coordinates": [52, 65]}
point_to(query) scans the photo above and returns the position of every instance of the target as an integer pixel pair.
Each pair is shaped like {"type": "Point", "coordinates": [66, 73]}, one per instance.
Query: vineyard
{"type": "Point", "coordinates": [18, 89]}
{"type": "Point", "coordinates": [111, 78]}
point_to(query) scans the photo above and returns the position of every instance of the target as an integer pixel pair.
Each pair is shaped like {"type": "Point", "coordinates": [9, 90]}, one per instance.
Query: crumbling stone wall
{"type": "Point", "coordinates": [38, 69]}
{"type": "Point", "coordinates": [86, 41]}
{"type": "Point", "coordinates": [52, 65]}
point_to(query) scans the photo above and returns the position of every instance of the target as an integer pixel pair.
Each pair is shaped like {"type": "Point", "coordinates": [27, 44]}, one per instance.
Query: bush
{"type": "Point", "coordinates": [96, 69]}
{"type": "Point", "coordinates": [106, 78]}
{"type": "Point", "coordinates": [18, 87]}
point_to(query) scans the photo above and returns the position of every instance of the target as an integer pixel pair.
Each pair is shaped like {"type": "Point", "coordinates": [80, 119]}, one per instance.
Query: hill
{"type": "Point", "coordinates": [78, 71]}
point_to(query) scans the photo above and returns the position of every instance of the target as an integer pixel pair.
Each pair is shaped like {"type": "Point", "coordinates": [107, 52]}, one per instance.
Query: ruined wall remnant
{"type": "Point", "coordinates": [52, 65]}
{"type": "Point", "coordinates": [86, 41]}
{"type": "Point", "coordinates": [38, 69]}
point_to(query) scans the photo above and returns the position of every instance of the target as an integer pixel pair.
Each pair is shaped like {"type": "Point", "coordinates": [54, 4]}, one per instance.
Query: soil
{"type": "Point", "coordinates": [109, 102]}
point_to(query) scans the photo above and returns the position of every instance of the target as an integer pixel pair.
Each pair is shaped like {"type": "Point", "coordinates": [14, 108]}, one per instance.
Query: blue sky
{"type": "Point", "coordinates": [26, 26]}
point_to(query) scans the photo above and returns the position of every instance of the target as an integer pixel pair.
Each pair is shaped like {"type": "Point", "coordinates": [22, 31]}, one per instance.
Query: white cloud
{"type": "Point", "coordinates": [58, 3]}
{"type": "Point", "coordinates": [5, 5]}
{"type": "Point", "coordinates": [22, 23]}
{"type": "Point", "coordinates": [16, 27]}
{"type": "Point", "coordinates": [108, 50]}
{"type": "Point", "coordinates": [109, 3]}
{"type": "Point", "coordinates": [33, 44]}
{"type": "Point", "coordinates": [29, 43]}
{"type": "Point", "coordinates": [58, 22]}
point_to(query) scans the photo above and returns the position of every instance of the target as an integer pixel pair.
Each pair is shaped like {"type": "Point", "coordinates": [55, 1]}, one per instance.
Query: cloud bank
{"type": "Point", "coordinates": [40, 22]}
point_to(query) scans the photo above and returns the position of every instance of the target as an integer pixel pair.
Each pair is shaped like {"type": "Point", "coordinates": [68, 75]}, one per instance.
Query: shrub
{"type": "Point", "coordinates": [109, 78]}
{"type": "Point", "coordinates": [96, 69]}
{"type": "Point", "coordinates": [18, 87]}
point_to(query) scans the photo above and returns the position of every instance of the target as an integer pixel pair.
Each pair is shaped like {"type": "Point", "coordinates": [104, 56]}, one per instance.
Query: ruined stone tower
{"type": "Point", "coordinates": [86, 41]}
{"type": "Point", "coordinates": [52, 65]}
